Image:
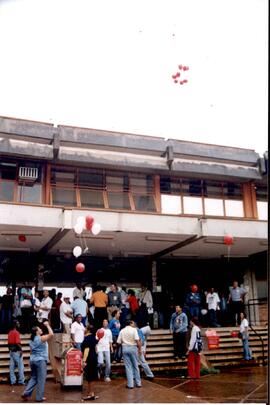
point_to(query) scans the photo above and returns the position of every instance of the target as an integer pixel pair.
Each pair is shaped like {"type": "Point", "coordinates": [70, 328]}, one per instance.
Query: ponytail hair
{"type": "Point", "coordinates": [33, 332]}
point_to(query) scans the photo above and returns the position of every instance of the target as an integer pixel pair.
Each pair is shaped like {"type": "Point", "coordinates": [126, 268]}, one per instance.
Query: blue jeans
{"type": "Point", "coordinates": [105, 356]}
{"type": "Point", "coordinates": [194, 311]}
{"type": "Point", "coordinates": [16, 360]}
{"type": "Point", "coordinates": [77, 346]}
{"type": "Point", "coordinates": [6, 318]}
{"type": "Point", "coordinates": [130, 357]}
{"type": "Point", "coordinates": [38, 378]}
{"type": "Point", "coordinates": [247, 353]}
{"type": "Point", "coordinates": [145, 366]}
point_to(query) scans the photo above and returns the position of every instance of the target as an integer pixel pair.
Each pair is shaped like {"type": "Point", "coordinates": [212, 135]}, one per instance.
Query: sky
{"type": "Point", "coordinates": [108, 64]}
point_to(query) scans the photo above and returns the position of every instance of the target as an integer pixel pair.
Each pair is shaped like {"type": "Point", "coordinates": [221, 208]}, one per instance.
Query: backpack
{"type": "Point", "coordinates": [198, 345]}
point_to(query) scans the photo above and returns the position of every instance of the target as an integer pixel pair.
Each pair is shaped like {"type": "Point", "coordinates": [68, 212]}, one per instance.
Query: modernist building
{"type": "Point", "coordinates": [164, 207]}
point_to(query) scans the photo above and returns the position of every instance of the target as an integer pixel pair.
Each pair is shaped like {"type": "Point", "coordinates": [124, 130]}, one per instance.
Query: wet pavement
{"type": "Point", "coordinates": [245, 385]}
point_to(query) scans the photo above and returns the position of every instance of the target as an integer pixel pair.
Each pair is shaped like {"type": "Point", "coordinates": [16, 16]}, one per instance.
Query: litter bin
{"type": "Point", "coordinates": [212, 339]}
{"type": "Point", "coordinates": [72, 373]}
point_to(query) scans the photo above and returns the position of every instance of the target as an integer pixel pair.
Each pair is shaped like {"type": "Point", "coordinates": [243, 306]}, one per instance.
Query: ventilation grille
{"type": "Point", "coordinates": [28, 174]}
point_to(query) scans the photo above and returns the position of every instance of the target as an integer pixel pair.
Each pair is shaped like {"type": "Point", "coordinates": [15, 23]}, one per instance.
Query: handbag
{"type": "Point", "coordinates": [26, 303]}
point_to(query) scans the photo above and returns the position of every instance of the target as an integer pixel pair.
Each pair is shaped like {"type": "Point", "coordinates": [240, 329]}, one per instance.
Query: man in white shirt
{"type": "Point", "coordinates": [45, 306]}
{"type": "Point", "coordinates": [131, 347]}
{"type": "Point", "coordinates": [212, 300]}
{"type": "Point", "coordinates": [104, 350]}
{"type": "Point", "coordinates": [77, 332]}
{"type": "Point", "coordinates": [66, 315]}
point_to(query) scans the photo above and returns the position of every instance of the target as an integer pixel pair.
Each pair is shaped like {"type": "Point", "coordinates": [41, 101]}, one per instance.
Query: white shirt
{"type": "Point", "coordinates": [128, 336]}
{"type": "Point", "coordinates": [104, 343]}
{"type": "Point", "coordinates": [47, 302]}
{"type": "Point", "coordinates": [77, 329]}
{"type": "Point", "coordinates": [243, 325]}
{"type": "Point", "coordinates": [146, 298]}
{"type": "Point", "coordinates": [78, 293]}
{"type": "Point", "coordinates": [212, 299]}
{"type": "Point", "coordinates": [64, 307]}
{"type": "Point", "coordinates": [193, 337]}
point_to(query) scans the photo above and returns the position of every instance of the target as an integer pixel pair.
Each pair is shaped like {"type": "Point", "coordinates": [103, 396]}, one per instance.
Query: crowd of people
{"type": "Point", "coordinates": [109, 327]}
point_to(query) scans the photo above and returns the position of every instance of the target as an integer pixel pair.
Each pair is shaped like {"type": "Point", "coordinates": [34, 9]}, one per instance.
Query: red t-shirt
{"type": "Point", "coordinates": [14, 337]}
{"type": "Point", "coordinates": [133, 304]}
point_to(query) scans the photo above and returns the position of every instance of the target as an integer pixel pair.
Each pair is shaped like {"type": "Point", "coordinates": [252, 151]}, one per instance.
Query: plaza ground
{"type": "Point", "coordinates": [237, 385]}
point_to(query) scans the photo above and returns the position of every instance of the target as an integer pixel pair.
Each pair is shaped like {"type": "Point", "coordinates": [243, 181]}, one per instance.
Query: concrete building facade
{"type": "Point", "coordinates": [164, 207]}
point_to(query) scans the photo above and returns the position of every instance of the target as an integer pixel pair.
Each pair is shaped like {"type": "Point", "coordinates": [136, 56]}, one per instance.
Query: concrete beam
{"type": "Point", "coordinates": [22, 148]}
{"type": "Point", "coordinates": [177, 246]}
{"type": "Point", "coordinates": [39, 130]}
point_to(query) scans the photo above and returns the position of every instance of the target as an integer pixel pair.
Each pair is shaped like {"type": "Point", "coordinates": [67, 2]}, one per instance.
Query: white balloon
{"type": "Point", "coordinates": [81, 221]}
{"type": "Point", "coordinates": [96, 228]}
{"type": "Point", "coordinates": [77, 251]}
{"type": "Point", "coordinates": [78, 228]}
{"type": "Point", "coordinates": [204, 311]}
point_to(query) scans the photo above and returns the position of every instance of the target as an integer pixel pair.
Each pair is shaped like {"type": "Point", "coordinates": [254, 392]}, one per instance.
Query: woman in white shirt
{"type": "Point", "coordinates": [244, 333]}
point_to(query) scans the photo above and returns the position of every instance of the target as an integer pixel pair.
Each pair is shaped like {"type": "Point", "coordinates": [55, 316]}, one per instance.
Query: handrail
{"type": "Point", "coordinates": [262, 343]}
{"type": "Point", "coordinates": [251, 302]}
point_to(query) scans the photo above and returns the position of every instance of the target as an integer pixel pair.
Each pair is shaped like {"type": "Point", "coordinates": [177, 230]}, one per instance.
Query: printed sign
{"type": "Point", "coordinates": [74, 362]}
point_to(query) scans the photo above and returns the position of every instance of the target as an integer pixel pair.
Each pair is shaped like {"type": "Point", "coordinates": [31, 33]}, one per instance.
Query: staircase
{"type": "Point", "coordinates": [160, 351]}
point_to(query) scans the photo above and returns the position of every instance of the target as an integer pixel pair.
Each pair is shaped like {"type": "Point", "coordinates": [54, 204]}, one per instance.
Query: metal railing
{"type": "Point", "coordinates": [255, 303]}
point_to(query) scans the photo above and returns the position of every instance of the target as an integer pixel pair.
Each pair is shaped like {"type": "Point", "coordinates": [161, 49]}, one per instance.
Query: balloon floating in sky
{"type": "Point", "coordinates": [177, 75]}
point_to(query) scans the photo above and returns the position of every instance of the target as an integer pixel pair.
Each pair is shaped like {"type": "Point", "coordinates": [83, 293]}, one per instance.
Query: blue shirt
{"type": "Point", "coordinates": [141, 335]}
{"type": "Point", "coordinates": [114, 325]}
{"type": "Point", "coordinates": [237, 293]}
{"type": "Point", "coordinates": [39, 349]}
{"type": "Point", "coordinates": [79, 306]}
{"type": "Point", "coordinates": [179, 322]}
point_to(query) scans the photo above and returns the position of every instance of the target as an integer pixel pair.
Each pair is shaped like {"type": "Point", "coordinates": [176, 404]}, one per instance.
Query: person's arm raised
{"type": "Point", "coordinates": [44, 338]}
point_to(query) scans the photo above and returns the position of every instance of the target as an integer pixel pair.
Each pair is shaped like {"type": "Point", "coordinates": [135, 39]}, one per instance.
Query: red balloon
{"type": "Point", "coordinates": [234, 333]}
{"type": "Point", "coordinates": [228, 240]}
{"type": "Point", "coordinates": [180, 67]}
{"type": "Point", "coordinates": [181, 82]}
{"type": "Point", "coordinates": [100, 333]}
{"type": "Point", "coordinates": [22, 238]}
{"type": "Point", "coordinates": [178, 74]}
{"type": "Point", "coordinates": [194, 288]}
{"type": "Point", "coordinates": [80, 267]}
{"type": "Point", "coordinates": [176, 81]}
{"type": "Point", "coordinates": [89, 222]}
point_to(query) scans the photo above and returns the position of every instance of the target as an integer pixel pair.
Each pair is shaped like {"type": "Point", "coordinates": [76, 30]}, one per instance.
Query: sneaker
{"type": "Point", "coordinates": [107, 379]}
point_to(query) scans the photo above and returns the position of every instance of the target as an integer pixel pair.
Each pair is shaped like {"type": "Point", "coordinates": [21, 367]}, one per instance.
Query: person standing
{"type": "Point", "coordinates": [79, 291]}
{"type": "Point", "coordinates": [104, 350]}
{"type": "Point", "coordinates": [55, 312]}
{"type": "Point", "coordinates": [194, 358]}
{"type": "Point", "coordinates": [100, 301]}
{"type": "Point", "coordinates": [79, 306]}
{"type": "Point", "coordinates": [145, 298]}
{"type": "Point", "coordinates": [115, 326]}
{"type": "Point", "coordinates": [77, 332]}
{"type": "Point", "coordinates": [66, 315]}
{"type": "Point", "coordinates": [45, 305]}
{"type": "Point", "coordinates": [26, 305]}
{"type": "Point", "coordinates": [244, 335]}
{"type": "Point", "coordinates": [90, 367]}
{"type": "Point", "coordinates": [212, 300]}
{"type": "Point", "coordinates": [193, 301]}
{"type": "Point", "coordinates": [133, 302]}
{"type": "Point", "coordinates": [178, 327]}
{"type": "Point", "coordinates": [114, 300]}
{"type": "Point", "coordinates": [16, 355]}
{"type": "Point", "coordinates": [38, 362]}
{"type": "Point", "coordinates": [236, 302]}
{"type": "Point", "coordinates": [125, 307]}
{"type": "Point", "coordinates": [131, 348]}
{"type": "Point", "coordinates": [6, 310]}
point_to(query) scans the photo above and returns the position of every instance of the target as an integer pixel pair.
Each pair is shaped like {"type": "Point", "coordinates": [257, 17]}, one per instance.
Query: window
{"type": "Point", "coordinates": [8, 173]}
{"type": "Point", "coordinates": [6, 191]}
{"type": "Point", "coordinates": [92, 198]}
{"type": "Point", "coordinates": [64, 197]}
{"type": "Point", "coordinates": [142, 189]}
{"type": "Point", "coordinates": [170, 204]}
{"type": "Point", "coordinates": [30, 193]}
{"type": "Point", "coordinates": [262, 201]}
{"type": "Point", "coordinates": [62, 176]}
{"type": "Point", "coordinates": [91, 179]}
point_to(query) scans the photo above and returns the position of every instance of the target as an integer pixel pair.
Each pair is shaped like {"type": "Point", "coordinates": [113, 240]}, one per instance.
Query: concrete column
{"type": "Point", "coordinates": [154, 276]}
{"type": "Point", "coordinates": [251, 287]}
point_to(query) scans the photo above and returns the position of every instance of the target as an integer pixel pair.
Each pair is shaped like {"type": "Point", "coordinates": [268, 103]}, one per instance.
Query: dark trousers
{"type": "Point", "coordinates": [235, 308]}
{"type": "Point", "coordinates": [99, 316]}
{"type": "Point", "coordinates": [179, 344]}
{"type": "Point", "coordinates": [212, 317]}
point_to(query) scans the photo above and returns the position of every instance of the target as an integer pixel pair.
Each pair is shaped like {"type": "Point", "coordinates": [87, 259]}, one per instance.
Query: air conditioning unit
{"type": "Point", "coordinates": [27, 175]}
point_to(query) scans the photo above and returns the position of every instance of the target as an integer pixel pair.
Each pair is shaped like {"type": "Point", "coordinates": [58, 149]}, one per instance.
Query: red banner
{"type": "Point", "coordinates": [74, 362]}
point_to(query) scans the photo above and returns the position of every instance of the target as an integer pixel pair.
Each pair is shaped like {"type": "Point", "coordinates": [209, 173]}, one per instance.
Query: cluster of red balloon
{"type": "Point", "coordinates": [177, 75]}
{"type": "Point", "coordinates": [22, 238]}
{"type": "Point", "coordinates": [84, 223]}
